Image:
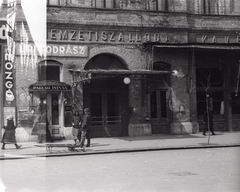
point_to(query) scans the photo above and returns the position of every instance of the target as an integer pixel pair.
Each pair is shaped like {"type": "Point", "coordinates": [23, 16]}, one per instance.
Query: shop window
{"type": "Point", "coordinates": [158, 5]}
{"type": "Point", "coordinates": [209, 77]}
{"type": "Point", "coordinates": [235, 100]}
{"type": "Point", "coordinates": [235, 74]}
{"type": "Point", "coordinates": [49, 72]}
{"type": "Point", "coordinates": [68, 109]}
{"type": "Point", "coordinates": [235, 86]}
{"type": "Point", "coordinates": [216, 102]}
{"type": "Point", "coordinates": [212, 81]}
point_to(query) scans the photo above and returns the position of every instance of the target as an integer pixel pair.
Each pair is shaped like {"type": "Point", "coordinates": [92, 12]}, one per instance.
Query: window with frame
{"type": "Point", "coordinates": [49, 72]}
{"type": "Point", "coordinates": [68, 102]}
{"type": "Point", "coordinates": [158, 5]}
{"type": "Point", "coordinates": [216, 102]}
{"type": "Point", "coordinates": [211, 6]}
{"type": "Point", "coordinates": [211, 80]}
{"type": "Point", "coordinates": [212, 77]}
{"type": "Point", "coordinates": [109, 4]}
{"type": "Point", "coordinates": [235, 87]}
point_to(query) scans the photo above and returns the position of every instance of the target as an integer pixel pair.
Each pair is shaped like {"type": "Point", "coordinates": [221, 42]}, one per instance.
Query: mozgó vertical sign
{"type": "Point", "coordinates": [9, 89]}
{"type": "Point", "coordinates": [9, 58]}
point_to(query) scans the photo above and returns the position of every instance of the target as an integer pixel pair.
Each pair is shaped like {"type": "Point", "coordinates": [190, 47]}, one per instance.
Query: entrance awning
{"type": "Point", "coordinates": [49, 85]}
{"type": "Point", "coordinates": [121, 72]}
{"type": "Point", "coordinates": [201, 46]}
{"type": "Point", "coordinates": [87, 75]}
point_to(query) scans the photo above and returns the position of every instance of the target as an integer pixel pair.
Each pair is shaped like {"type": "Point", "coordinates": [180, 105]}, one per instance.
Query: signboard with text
{"type": "Point", "coordinates": [67, 50]}
{"type": "Point", "coordinates": [8, 79]}
{"type": "Point", "coordinates": [214, 38]}
{"type": "Point", "coordinates": [115, 36]}
{"type": "Point", "coordinates": [3, 31]}
{"type": "Point", "coordinates": [58, 50]}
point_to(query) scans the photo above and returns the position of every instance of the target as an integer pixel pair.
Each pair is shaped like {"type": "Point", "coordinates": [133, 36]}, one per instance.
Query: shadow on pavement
{"type": "Point", "coordinates": [206, 144]}
{"type": "Point", "coordinates": [171, 136]}
{"type": "Point", "coordinates": [98, 145]}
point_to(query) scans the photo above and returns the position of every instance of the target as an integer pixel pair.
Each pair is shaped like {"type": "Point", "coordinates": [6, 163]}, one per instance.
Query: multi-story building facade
{"type": "Point", "coordinates": [142, 67]}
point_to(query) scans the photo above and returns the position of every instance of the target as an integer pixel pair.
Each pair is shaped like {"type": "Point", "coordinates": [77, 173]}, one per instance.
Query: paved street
{"type": "Point", "coordinates": [192, 170]}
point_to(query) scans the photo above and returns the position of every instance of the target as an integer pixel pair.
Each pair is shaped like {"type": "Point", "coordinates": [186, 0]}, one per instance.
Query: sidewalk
{"type": "Point", "coordinates": [125, 144]}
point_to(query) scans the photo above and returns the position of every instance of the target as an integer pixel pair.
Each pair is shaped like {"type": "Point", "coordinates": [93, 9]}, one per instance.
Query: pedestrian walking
{"type": "Point", "coordinates": [86, 128]}
{"type": "Point", "coordinates": [9, 134]}
{"type": "Point", "coordinates": [208, 120]}
{"type": "Point", "coordinates": [76, 122]}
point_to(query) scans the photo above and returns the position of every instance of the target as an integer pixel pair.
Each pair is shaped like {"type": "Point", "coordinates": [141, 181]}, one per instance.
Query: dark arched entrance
{"type": "Point", "coordinates": [107, 97]}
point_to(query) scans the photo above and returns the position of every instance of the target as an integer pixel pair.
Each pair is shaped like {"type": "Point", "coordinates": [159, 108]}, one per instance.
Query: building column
{"type": "Point", "coordinates": [191, 85]}
{"type": "Point", "coordinates": [228, 99]}
{"type": "Point", "coordinates": [137, 124]}
{"type": "Point", "coordinates": [1, 91]}
{"type": "Point", "coordinates": [181, 123]}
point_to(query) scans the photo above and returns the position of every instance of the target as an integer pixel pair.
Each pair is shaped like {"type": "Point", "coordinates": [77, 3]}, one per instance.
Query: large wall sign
{"type": "Point", "coordinates": [67, 50]}
{"type": "Point", "coordinates": [59, 50]}
{"type": "Point", "coordinates": [215, 39]}
{"type": "Point", "coordinates": [9, 89]}
{"type": "Point", "coordinates": [119, 36]}
{"type": "Point", "coordinates": [8, 80]}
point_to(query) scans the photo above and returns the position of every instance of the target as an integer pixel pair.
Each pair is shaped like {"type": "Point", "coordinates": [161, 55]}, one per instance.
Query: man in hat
{"type": "Point", "coordinates": [208, 117]}
{"type": "Point", "coordinates": [86, 127]}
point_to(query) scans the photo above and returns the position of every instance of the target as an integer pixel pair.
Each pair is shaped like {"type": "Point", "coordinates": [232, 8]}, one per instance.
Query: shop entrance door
{"type": "Point", "coordinates": [50, 101]}
{"type": "Point", "coordinates": [105, 110]}
{"type": "Point", "coordinates": [159, 112]}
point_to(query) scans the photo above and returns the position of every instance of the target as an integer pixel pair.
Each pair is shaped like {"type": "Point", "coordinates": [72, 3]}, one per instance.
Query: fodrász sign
{"type": "Point", "coordinates": [58, 50]}
{"type": "Point", "coordinates": [67, 50]}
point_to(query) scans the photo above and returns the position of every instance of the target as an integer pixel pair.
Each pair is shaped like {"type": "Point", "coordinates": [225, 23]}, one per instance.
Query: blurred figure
{"type": "Point", "coordinates": [9, 134]}
{"type": "Point", "coordinates": [208, 117]}
{"type": "Point", "coordinates": [40, 128]}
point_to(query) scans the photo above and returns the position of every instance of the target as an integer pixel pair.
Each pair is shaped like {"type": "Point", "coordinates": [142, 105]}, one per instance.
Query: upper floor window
{"type": "Point", "coordinates": [158, 5]}
{"type": "Point", "coordinates": [211, 6]}
{"type": "Point", "coordinates": [220, 7]}
{"type": "Point", "coordinates": [53, 2]}
{"type": "Point", "coordinates": [106, 4]}
{"type": "Point", "coordinates": [49, 71]}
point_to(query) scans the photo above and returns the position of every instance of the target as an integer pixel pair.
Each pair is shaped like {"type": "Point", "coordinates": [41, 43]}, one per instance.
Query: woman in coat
{"type": "Point", "coordinates": [9, 134]}
{"type": "Point", "coordinates": [76, 121]}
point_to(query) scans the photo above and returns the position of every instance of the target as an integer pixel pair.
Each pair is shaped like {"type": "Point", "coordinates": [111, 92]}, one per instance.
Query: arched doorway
{"type": "Point", "coordinates": [107, 97]}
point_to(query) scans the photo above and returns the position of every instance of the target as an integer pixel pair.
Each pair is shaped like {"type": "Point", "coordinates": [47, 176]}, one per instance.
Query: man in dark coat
{"type": "Point", "coordinates": [9, 134]}
{"type": "Point", "coordinates": [208, 120]}
{"type": "Point", "coordinates": [86, 127]}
